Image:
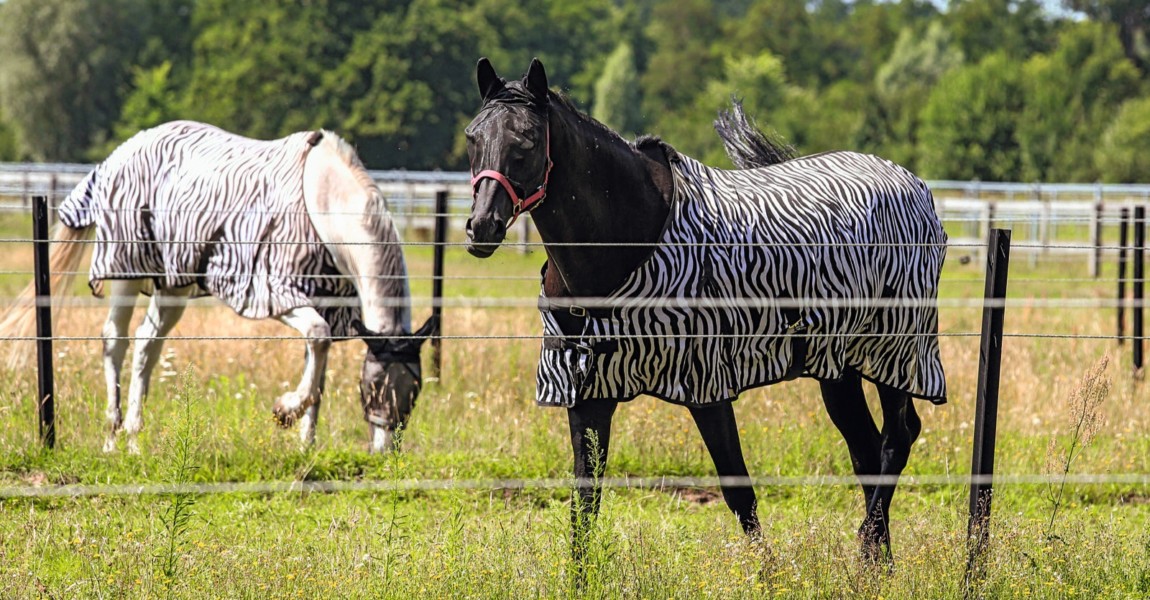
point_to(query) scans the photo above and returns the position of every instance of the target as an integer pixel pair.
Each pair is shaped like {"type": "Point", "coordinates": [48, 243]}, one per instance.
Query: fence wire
{"type": "Point", "coordinates": [665, 483]}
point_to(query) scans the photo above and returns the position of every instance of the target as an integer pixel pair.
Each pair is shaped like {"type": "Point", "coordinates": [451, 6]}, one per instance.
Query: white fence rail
{"type": "Point", "coordinates": [1048, 219]}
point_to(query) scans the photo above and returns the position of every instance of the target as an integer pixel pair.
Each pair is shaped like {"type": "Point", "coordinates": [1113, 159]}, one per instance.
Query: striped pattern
{"type": "Point", "coordinates": [181, 203]}
{"type": "Point", "coordinates": [840, 226]}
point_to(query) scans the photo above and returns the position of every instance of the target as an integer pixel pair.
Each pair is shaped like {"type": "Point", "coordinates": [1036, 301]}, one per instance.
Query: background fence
{"type": "Point", "coordinates": [1046, 219]}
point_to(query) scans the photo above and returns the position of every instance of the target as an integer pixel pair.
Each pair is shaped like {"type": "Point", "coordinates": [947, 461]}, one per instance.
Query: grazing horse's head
{"type": "Point", "coordinates": [390, 381]}
{"type": "Point", "coordinates": [508, 144]}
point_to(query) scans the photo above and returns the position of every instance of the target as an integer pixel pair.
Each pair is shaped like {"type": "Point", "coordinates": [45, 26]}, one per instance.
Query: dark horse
{"type": "Point", "coordinates": [607, 208]}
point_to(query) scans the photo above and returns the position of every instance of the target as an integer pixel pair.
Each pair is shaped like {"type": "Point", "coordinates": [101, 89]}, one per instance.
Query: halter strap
{"type": "Point", "coordinates": [521, 205]}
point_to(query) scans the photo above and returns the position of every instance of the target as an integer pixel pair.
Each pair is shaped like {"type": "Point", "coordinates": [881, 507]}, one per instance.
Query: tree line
{"type": "Point", "coordinates": [982, 89]}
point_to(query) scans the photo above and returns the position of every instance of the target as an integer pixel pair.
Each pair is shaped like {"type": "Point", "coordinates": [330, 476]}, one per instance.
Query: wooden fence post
{"type": "Point", "coordinates": [1139, 282]}
{"type": "Point", "coordinates": [986, 402]}
{"type": "Point", "coordinates": [46, 383]}
{"type": "Point", "coordinates": [437, 282]}
{"type": "Point", "coordinates": [1096, 219]}
{"type": "Point", "coordinates": [1123, 239]}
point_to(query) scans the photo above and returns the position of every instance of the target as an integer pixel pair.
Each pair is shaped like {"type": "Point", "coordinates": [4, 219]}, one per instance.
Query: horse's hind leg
{"type": "Point", "coordinates": [317, 337]}
{"type": "Point", "coordinates": [310, 417]}
{"type": "Point", "coordinates": [846, 404]}
{"type": "Point", "coordinates": [900, 428]}
{"type": "Point", "coordinates": [721, 436]}
{"type": "Point", "coordinates": [122, 296]}
{"type": "Point", "coordinates": [164, 311]}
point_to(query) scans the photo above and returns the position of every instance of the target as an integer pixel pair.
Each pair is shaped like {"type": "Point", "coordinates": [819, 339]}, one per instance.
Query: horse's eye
{"type": "Point", "coordinates": [528, 145]}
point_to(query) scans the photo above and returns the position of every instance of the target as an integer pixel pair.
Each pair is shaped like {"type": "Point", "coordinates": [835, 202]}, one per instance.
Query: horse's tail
{"type": "Point", "coordinates": [746, 145]}
{"type": "Point", "coordinates": [68, 249]}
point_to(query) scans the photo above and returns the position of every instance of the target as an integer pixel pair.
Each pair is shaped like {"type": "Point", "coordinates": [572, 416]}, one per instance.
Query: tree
{"type": "Point", "coordinates": [259, 65]}
{"type": "Point", "coordinates": [9, 150]}
{"type": "Point", "coordinates": [407, 87]}
{"type": "Point", "coordinates": [151, 102]}
{"type": "Point", "coordinates": [784, 28]}
{"type": "Point", "coordinates": [683, 59]}
{"type": "Point", "coordinates": [617, 92]}
{"type": "Point", "coordinates": [573, 38]}
{"type": "Point", "coordinates": [1124, 153]}
{"type": "Point", "coordinates": [1071, 95]}
{"type": "Point", "coordinates": [1133, 20]}
{"type": "Point", "coordinates": [62, 79]}
{"type": "Point", "coordinates": [917, 62]}
{"type": "Point", "coordinates": [759, 81]}
{"type": "Point", "coordinates": [968, 124]}
{"type": "Point", "coordinates": [1017, 28]}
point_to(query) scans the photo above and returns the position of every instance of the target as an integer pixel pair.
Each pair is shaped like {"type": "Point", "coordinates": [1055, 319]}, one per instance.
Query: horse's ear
{"type": "Point", "coordinates": [537, 81]}
{"type": "Point", "coordinates": [489, 83]}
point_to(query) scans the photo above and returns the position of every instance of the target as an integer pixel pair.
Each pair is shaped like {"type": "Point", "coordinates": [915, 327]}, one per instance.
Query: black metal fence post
{"type": "Point", "coordinates": [46, 377]}
{"type": "Point", "coordinates": [1123, 242]}
{"type": "Point", "coordinates": [437, 281]}
{"type": "Point", "coordinates": [986, 406]}
{"type": "Point", "coordinates": [1139, 282]}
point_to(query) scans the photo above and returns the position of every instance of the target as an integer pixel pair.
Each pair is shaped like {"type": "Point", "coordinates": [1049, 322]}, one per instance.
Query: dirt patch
{"type": "Point", "coordinates": [695, 495]}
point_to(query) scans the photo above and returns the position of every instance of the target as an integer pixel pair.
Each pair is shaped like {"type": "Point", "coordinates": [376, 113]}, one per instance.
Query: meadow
{"type": "Point", "coordinates": [208, 420]}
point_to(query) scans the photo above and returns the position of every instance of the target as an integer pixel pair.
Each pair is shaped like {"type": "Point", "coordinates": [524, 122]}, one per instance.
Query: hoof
{"type": "Point", "coordinates": [288, 409]}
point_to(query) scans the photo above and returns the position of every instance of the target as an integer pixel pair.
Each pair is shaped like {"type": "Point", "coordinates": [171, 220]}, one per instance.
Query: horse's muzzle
{"type": "Point", "coordinates": [484, 236]}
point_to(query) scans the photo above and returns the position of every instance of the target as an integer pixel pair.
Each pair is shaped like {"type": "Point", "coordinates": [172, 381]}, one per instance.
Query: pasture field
{"type": "Point", "coordinates": [209, 421]}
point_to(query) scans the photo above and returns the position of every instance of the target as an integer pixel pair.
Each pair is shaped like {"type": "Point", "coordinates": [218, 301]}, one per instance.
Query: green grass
{"type": "Point", "coordinates": [479, 422]}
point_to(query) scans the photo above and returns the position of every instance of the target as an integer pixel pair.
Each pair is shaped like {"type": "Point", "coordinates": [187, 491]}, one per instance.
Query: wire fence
{"type": "Point", "coordinates": [1096, 218]}
{"type": "Point", "coordinates": [660, 483]}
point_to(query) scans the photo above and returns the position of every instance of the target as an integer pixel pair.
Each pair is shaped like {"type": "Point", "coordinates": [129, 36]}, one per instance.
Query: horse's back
{"type": "Point", "coordinates": [828, 197]}
{"type": "Point", "coordinates": [188, 203]}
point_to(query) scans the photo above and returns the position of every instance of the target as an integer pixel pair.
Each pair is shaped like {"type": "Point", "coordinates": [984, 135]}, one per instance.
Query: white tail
{"type": "Point", "coordinates": [67, 251]}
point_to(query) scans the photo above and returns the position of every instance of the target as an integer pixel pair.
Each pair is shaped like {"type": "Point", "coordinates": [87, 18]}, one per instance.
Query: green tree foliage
{"type": "Point", "coordinates": [62, 79]}
{"type": "Point", "coordinates": [985, 88]}
{"type": "Point", "coordinates": [153, 101]}
{"type": "Point", "coordinates": [259, 65]}
{"type": "Point", "coordinates": [1123, 156]}
{"type": "Point", "coordinates": [1017, 28]}
{"type": "Point", "coordinates": [406, 89]}
{"type": "Point", "coordinates": [1133, 20]}
{"type": "Point", "coordinates": [683, 58]}
{"type": "Point", "coordinates": [969, 121]}
{"type": "Point", "coordinates": [917, 62]}
{"type": "Point", "coordinates": [9, 150]}
{"type": "Point", "coordinates": [1071, 96]}
{"type": "Point", "coordinates": [760, 81]}
{"type": "Point", "coordinates": [572, 37]}
{"type": "Point", "coordinates": [872, 30]}
{"type": "Point", "coordinates": [617, 94]}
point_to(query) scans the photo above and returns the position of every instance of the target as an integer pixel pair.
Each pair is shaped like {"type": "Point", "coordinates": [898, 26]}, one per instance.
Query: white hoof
{"type": "Point", "coordinates": [289, 407]}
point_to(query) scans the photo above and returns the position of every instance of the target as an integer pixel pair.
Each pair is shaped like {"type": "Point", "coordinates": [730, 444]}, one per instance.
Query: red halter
{"type": "Point", "coordinates": [521, 205]}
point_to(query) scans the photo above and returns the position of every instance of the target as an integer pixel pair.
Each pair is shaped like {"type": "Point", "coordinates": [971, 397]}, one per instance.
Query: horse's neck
{"type": "Point", "coordinates": [361, 238]}
{"type": "Point", "coordinates": [601, 191]}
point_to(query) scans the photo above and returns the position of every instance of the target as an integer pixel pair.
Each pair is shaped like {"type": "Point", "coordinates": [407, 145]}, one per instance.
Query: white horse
{"type": "Point", "coordinates": [292, 229]}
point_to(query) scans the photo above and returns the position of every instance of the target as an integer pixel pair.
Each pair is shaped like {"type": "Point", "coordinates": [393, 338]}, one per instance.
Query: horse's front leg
{"type": "Point", "coordinates": [721, 436]}
{"type": "Point", "coordinates": [310, 417]}
{"type": "Point", "coordinates": [317, 338]}
{"type": "Point", "coordinates": [122, 296]}
{"type": "Point", "coordinates": [590, 423]}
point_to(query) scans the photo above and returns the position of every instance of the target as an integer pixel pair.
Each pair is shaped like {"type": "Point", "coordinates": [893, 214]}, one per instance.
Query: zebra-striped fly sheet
{"type": "Point", "coordinates": [208, 207]}
{"type": "Point", "coordinates": [840, 227]}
